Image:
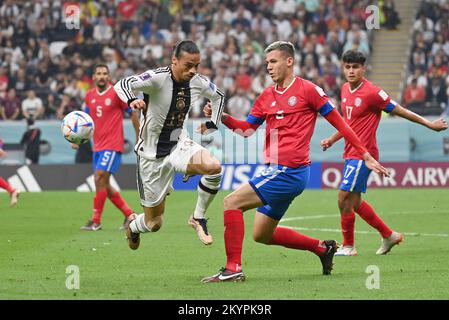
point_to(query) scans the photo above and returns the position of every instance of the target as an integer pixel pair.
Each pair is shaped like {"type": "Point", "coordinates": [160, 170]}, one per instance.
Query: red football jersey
{"type": "Point", "coordinates": [362, 109]}
{"type": "Point", "coordinates": [106, 110]}
{"type": "Point", "coordinates": [290, 114]}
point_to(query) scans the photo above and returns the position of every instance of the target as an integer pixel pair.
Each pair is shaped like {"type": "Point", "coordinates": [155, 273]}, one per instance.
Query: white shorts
{"type": "Point", "coordinates": [155, 176]}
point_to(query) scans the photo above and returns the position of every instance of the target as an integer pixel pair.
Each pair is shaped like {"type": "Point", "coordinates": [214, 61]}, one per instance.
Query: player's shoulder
{"type": "Point", "coordinates": [91, 91]}
{"type": "Point", "coordinates": [308, 86]}
{"type": "Point", "coordinates": [374, 91]}
{"type": "Point", "coordinates": [267, 92]}
{"type": "Point", "coordinates": [204, 82]}
{"type": "Point", "coordinates": [200, 79]}
{"type": "Point", "coordinates": [152, 74]}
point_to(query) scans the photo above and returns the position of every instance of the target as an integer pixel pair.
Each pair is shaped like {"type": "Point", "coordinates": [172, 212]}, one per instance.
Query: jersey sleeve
{"type": "Point", "coordinates": [85, 107]}
{"type": "Point", "coordinates": [216, 97]}
{"type": "Point", "coordinates": [144, 82]}
{"type": "Point", "coordinates": [257, 114]}
{"type": "Point", "coordinates": [382, 101]}
{"type": "Point", "coordinates": [318, 99]}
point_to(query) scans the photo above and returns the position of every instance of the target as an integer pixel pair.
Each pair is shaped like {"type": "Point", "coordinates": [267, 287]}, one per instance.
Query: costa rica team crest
{"type": "Point", "coordinates": [292, 101]}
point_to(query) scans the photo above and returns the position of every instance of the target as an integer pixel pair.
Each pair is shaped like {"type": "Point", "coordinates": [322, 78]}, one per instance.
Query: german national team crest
{"type": "Point", "coordinates": [358, 102]}
{"type": "Point", "coordinates": [180, 104]}
{"type": "Point", "coordinates": [292, 101]}
{"type": "Point", "coordinates": [107, 102]}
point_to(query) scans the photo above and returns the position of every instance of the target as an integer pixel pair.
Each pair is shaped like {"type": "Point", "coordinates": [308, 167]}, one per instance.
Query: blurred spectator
{"type": "Point", "coordinates": [84, 153]}
{"type": "Point", "coordinates": [436, 94]}
{"type": "Point", "coordinates": [4, 81]}
{"type": "Point", "coordinates": [239, 105]}
{"type": "Point", "coordinates": [391, 15]}
{"type": "Point", "coordinates": [10, 106]}
{"type": "Point", "coordinates": [32, 106]}
{"type": "Point", "coordinates": [31, 140]}
{"type": "Point", "coordinates": [51, 105]}
{"type": "Point", "coordinates": [67, 105]}
{"type": "Point", "coordinates": [414, 96]}
{"type": "Point", "coordinates": [134, 35]}
{"type": "Point", "coordinates": [430, 56]}
{"type": "Point", "coordinates": [419, 76]}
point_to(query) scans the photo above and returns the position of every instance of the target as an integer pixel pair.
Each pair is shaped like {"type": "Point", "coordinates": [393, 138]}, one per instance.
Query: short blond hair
{"type": "Point", "coordinates": [284, 46]}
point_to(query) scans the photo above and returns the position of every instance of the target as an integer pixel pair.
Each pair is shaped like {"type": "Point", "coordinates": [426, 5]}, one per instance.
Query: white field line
{"type": "Point", "coordinates": [323, 216]}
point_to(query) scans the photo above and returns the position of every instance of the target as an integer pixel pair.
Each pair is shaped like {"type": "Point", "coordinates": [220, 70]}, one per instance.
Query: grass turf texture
{"type": "Point", "coordinates": [40, 237]}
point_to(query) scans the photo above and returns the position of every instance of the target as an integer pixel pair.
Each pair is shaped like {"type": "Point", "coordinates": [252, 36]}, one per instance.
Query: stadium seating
{"type": "Point", "coordinates": [429, 57]}
{"type": "Point", "coordinates": [41, 51]}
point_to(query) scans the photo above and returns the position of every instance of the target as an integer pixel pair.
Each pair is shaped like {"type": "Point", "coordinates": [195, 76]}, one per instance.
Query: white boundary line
{"type": "Point", "coordinates": [321, 216]}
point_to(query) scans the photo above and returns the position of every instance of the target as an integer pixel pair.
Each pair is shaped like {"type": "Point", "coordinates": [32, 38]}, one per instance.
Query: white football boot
{"type": "Point", "coordinates": [390, 242]}
{"type": "Point", "coordinates": [346, 251]}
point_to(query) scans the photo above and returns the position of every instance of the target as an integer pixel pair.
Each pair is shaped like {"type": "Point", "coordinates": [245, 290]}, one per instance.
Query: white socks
{"type": "Point", "coordinates": [138, 225]}
{"type": "Point", "coordinates": [207, 189]}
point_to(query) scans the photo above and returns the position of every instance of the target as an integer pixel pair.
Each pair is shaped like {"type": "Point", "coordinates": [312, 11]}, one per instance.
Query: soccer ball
{"type": "Point", "coordinates": [77, 127]}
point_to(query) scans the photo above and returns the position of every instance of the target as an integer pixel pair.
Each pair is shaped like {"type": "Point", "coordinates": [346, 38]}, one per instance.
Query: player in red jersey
{"type": "Point", "coordinates": [13, 193]}
{"type": "Point", "coordinates": [362, 105]}
{"type": "Point", "coordinates": [106, 110]}
{"type": "Point", "coordinates": [290, 109]}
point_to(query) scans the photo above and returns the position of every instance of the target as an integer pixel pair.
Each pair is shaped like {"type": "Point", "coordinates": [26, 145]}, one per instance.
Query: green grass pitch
{"type": "Point", "coordinates": [40, 238]}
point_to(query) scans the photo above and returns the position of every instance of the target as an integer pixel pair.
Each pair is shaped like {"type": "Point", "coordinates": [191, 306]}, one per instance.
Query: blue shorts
{"type": "Point", "coordinates": [277, 186]}
{"type": "Point", "coordinates": [355, 176]}
{"type": "Point", "coordinates": [107, 160]}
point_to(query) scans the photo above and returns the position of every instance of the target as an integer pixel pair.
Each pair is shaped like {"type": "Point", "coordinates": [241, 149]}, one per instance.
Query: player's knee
{"type": "Point", "coordinates": [345, 204]}
{"type": "Point", "coordinates": [213, 168]}
{"type": "Point", "coordinates": [261, 238]}
{"type": "Point", "coordinates": [101, 178]}
{"type": "Point", "coordinates": [230, 202]}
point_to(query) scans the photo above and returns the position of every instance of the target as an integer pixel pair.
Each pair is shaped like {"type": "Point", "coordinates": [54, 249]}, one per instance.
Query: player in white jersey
{"type": "Point", "coordinates": [163, 147]}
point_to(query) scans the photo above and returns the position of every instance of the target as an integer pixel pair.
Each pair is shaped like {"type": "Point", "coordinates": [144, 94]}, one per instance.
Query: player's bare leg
{"type": "Point", "coordinates": [347, 202]}
{"type": "Point", "coordinates": [13, 193]}
{"type": "Point", "coordinates": [14, 197]}
{"type": "Point", "coordinates": [202, 162]}
{"type": "Point", "coordinates": [149, 221]}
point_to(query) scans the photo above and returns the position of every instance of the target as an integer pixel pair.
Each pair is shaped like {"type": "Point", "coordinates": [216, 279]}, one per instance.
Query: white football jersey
{"type": "Point", "coordinates": [168, 105]}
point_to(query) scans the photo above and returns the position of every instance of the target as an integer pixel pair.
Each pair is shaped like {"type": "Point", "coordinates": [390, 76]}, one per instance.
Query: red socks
{"type": "Point", "coordinates": [291, 239]}
{"type": "Point", "coordinates": [369, 215]}
{"type": "Point", "coordinates": [5, 185]}
{"type": "Point", "coordinates": [233, 236]}
{"type": "Point", "coordinates": [347, 228]}
{"type": "Point", "coordinates": [118, 201]}
{"type": "Point", "coordinates": [99, 200]}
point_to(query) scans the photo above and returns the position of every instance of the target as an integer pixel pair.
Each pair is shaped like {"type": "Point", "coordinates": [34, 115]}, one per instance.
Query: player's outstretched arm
{"type": "Point", "coordinates": [337, 121]}
{"type": "Point", "coordinates": [243, 128]}
{"type": "Point", "coordinates": [436, 125]}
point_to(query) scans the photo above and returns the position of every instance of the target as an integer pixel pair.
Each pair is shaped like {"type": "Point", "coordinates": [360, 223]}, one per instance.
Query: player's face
{"type": "Point", "coordinates": [186, 66]}
{"type": "Point", "coordinates": [354, 72]}
{"type": "Point", "coordinates": [101, 77]}
{"type": "Point", "coordinates": [278, 65]}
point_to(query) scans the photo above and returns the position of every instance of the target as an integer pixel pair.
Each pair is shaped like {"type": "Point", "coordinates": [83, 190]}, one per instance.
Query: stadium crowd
{"type": "Point", "coordinates": [46, 66]}
{"type": "Point", "coordinates": [427, 89]}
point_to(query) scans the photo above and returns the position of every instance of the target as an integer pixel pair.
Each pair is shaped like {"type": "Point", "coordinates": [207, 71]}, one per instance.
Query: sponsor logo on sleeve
{"type": "Point", "coordinates": [383, 95]}
{"type": "Point", "coordinates": [145, 76]}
